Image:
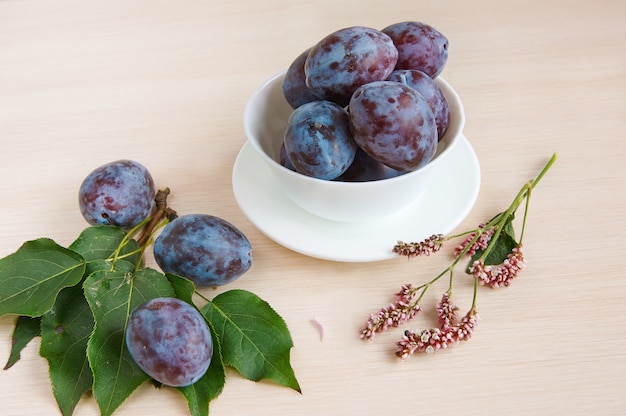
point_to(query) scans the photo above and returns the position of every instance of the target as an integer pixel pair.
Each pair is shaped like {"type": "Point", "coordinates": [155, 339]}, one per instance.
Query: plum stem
{"type": "Point", "coordinates": [162, 211]}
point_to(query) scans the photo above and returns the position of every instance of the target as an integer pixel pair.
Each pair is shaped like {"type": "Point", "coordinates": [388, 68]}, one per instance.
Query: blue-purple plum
{"type": "Point", "coordinates": [283, 159]}
{"type": "Point", "coordinates": [365, 168]}
{"type": "Point", "coordinates": [394, 124]}
{"type": "Point", "coordinates": [294, 85]}
{"type": "Point", "coordinates": [170, 341]}
{"type": "Point", "coordinates": [318, 140]}
{"type": "Point", "coordinates": [119, 193]}
{"type": "Point", "coordinates": [205, 249]}
{"type": "Point", "coordinates": [428, 88]}
{"type": "Point", "coordinates": [419, 46]}
{"type": "Point", "coordinates": [346, 59]}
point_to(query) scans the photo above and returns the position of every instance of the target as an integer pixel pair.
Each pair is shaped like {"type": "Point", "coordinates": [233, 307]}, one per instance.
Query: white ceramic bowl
{"type": "Point", "coordinates": [265, 120]}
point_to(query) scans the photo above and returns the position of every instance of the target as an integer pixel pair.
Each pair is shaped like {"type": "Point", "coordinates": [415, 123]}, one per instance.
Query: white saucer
{"type": "Point", "coordinates": [450, 197]}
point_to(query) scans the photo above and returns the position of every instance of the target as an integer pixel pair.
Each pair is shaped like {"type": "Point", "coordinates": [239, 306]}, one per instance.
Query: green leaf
{"type": "Point", "coordinates": [107, 266]}
{"type": "Point", "coordinates": [98, 243]}
{"type": "Point", "coordinates": [254, 338]}
{"type": "Point", "coordinates": [112, 296]}
{"type": "Point", "coordinates": [65, 331]}
{"type": "Point", "coordinates": [501, 248]}
{"type": "Point", "coordinates": [26, 328]}
{"type": "Point", "coordinates": [183, 287]}
{"type": "Point", "coordinates": [31, 278]}
{"type": "Point", "coordinates": [508, 226]}
{"type": "Point", "coordinates": [210, 386]}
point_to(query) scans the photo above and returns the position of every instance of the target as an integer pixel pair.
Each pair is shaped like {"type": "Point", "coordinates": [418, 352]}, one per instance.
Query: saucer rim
{"type": "Point", "coordinates": [359, 253]}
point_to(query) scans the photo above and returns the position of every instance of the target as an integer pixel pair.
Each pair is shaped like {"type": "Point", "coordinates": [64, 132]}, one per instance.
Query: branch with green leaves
{"type": "Point", "coordinates": [78, 300]}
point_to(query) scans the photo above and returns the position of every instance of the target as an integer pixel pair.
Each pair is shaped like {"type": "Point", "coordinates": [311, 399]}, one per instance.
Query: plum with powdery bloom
{"type": "Point", "coordinates": [394, 124]}
{"type": "Point", "coordinates": [119, 193]}
{"type": "Point", "coordinates": [346, 59]}
{"type": "Point", "coordinates": [432, 93]}
{"type": "Point", "coordinates": [294, 85]}
{"type": "Point", "coordinates": [365, 168]}
{"type": "Point", "coordinates": [419, 46]}
{"type": "Point", "coordinates": [170, 341]}
{"type": "Point", "coordinates": [318, 141]}
{"type": "Point", "coordinates": [205, 249]}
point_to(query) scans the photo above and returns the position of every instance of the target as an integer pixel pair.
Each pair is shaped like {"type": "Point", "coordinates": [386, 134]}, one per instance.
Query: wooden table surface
{"type": "Point", "coordinates": [165, 83]}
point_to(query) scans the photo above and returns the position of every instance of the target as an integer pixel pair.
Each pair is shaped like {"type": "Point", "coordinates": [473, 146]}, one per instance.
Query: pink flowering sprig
{"type": "Point", "coordinates": [495, 259]}
{"type": "Point", "coordinates": [404, 308]}
{"type": "Point", "coordinates": [423, 248]}
{"type": "Point", "coordinates": [450, 331]}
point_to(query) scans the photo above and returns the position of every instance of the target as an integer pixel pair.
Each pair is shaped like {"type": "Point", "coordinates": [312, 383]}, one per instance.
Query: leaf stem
{"type": "Point", "coordinates": [500, 220]}
{"type": "Point", "coordinates": [127, 237]}
{"type": "Point", "coordinates": [521, 236]}
{"type": "Point", "coordinates": [454, 236]}
{"type": "Point", "coordinates": [450, 283]}
{"type": "Point", "coordinates": [544, 170]}
{"type": "Point", "coordinates": [201, 296]}
{"type": "Point", "coordinates": [534, 183]}
{"type": "Point", "coordinates": [475, 294]}
{"type": "Point", "coordinates": [450, 268]}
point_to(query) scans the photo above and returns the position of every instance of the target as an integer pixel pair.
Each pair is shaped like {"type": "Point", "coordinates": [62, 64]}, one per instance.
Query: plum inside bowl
{"type": "Point", "coordinates": [265, 120]}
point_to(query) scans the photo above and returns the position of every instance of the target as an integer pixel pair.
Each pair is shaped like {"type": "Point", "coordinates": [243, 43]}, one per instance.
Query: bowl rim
{"type": "Point", "coordinates": [349, 184]}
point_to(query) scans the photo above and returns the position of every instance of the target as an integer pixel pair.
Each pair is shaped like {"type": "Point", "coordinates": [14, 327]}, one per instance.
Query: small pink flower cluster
{"type": "Point", "coordinates": [480, 244]}
{"type": "Point", "coordinates": [446, 311]}
{"type": "Point", "coordinates": [403, 309]}
{"type": "Point", "coordinates": [499, 275]}
{"type": "Point", "coordinates": [450, 332]}
{"type": "Point", "coordinates": [423, 248]}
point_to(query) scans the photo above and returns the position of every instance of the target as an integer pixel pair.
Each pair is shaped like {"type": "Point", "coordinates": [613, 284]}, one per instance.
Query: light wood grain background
{"type": "Point", "coordinates": [165, 83]}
